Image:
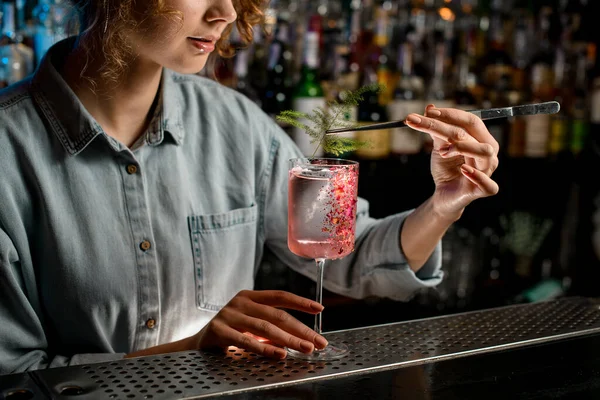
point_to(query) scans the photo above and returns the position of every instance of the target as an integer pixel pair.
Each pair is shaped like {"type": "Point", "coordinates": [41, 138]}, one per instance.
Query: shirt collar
{"type": "Point", "coordinates": [170, 107]}
{"type": "Point", "coordinates": [73, 124]}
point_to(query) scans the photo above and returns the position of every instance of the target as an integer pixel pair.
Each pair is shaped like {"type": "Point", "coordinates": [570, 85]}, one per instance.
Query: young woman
{"type": "Point", "coordinates": [138, 198]}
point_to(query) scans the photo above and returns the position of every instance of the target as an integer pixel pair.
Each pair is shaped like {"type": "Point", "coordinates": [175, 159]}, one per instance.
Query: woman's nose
{"type": "Point", "coordinates": [222, 10]}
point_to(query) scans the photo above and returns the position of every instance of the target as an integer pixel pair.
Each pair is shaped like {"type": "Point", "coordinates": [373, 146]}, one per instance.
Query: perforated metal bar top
{"type": "Point", "coordinates": [197, 374]}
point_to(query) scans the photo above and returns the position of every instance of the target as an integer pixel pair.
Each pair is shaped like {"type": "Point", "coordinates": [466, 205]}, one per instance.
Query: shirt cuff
{"type": "Point", "coordinates": [391, 257]}
{"type": "Point", "coordinates": [389, 252]}
{"type": "Point", "coordinates": [81, 359]}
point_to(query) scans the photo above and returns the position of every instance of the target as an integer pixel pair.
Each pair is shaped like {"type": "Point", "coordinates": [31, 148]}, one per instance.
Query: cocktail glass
{"type": "Point", "coordinates": [322, 198]}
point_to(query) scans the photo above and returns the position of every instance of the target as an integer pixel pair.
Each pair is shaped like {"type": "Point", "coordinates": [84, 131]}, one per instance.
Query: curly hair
{"type": "Point", "coordinates": [106, 25]}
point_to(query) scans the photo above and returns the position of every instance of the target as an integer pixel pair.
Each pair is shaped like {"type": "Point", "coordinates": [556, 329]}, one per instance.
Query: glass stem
{"type": "Point", "coordinates": [319, 317]}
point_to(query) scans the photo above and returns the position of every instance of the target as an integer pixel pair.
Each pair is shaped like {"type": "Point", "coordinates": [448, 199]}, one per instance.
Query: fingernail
{"type": "Point", "coordinates": [467, 168]}
{"type": "Point", "coordinates": [307, 347]}
{"type": "Point", "coordinates": [321, 342]}
{"type": "Point", "coordinates": [434, 113]}
{"type": "Point", "coordinates": [281, 353]}
{"type": "Point", "coordinates": [317, 306]}
{"type": "Point", "coordinates": [414, 119]}
{"type": "Point", "coordinates": [444, 151]}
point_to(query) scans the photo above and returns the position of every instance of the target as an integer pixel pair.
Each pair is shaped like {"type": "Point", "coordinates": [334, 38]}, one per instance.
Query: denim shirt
{"type": "Point", "coordinates": [106, 249]}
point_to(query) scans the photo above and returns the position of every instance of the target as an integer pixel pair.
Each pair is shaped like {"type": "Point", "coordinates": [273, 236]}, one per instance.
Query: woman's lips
{"type": "Point", "coordinates": [203, 45]}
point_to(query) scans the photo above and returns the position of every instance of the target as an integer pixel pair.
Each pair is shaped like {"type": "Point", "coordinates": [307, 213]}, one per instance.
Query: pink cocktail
{"type": "Point", "coordinates": [322, 198]}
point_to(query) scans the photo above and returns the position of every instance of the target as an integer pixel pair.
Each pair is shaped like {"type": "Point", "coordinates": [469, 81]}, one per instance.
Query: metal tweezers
{"type": "Point", "coordinates": [549, 107]}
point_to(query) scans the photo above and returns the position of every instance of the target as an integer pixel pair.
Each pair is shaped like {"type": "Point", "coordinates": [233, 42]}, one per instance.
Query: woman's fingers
{"type": "Point", "coordinates": [231, 337]}
{"type": "Point", "coordinates": [483, 154]}
{"type": "Point", "coordinates": [459, 133]}
{"type": "Point", "coordinates": [452, 125]}
{"type": "Point", "coordinates": [444, 131]}
{"type": "Point", "coordinates": [251, 320]}
{"type": "Point", "coordinates": [248, 312]}
{"type": "Point", "coordinates": [465, 120]}
{"type": "Point", "coordinates": [274, 334]}
{"type": "Point", "coordinates": [484, 183]}
{"type": "Point", "coordinates": [280, 298]}
{"type": "Point", "coordinates": [287, 323]}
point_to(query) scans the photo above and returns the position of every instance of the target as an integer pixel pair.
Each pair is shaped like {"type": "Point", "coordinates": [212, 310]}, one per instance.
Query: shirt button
{"type": "Point", "coordinates": [131, 169]}
{"type": "Point", "coordinates": [145, 245]}
{"type": "Point", "coordinates": [151, 323]}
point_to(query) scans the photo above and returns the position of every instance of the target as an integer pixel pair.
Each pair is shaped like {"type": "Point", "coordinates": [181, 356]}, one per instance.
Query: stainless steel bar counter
{"type": "Point", "coordinates": [541, 350]}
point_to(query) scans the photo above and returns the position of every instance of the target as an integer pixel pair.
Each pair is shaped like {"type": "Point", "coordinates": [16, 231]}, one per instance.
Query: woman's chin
{"type": "Point", "coordinates": [189, 68]}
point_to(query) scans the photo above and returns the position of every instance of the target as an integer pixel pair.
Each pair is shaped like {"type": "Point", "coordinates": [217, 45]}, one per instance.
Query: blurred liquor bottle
{"type": "Point", "coordinates": [408, 98]}
{"type": "Point", "coordinates": [364, 50]}
{"type": "Point", "coordinates": [579, 107]}
{"type": "Point", "coordinates": [334, 41]}
{"type": "Point", "coordinates": [51, 23]}
{"type": "Point", "coordinates": [370, 110]}
{"type": "Point", "coordinates": [440, 90]}
{"type": "Point", "coordinates": [511, 89]}
{"type": "Point", "coordinates": [16, 59]}
{"type": "Point", "coordinates": [541, 77]}
{"type": "Point", "coordinates": [386, 71]}
{"type": "Point", "coordinates": [563, 94]}
{"type": "Point", "coordinates": [595, 109]}
{"type": "Point", "coordinates": [516, 126]}
{"type": "Point", "coordinates": [277, 94]}
{"type": "Point", "coordinates": [242, 82]}
{"type": "Point", "coordinates": [496, 61]}
{"type": "Point", "coordinates": [469, 89]}
{"type": "Point", "coordinates": [309, 93]}
{"type": "Point", "coordinates": [374, 107]}
{"type": "Point", "coordinates": [339, 79]}
{"type": "Point", "coordinates": [466, 83]}
{"type": "Point", "coordinates": [257, 61]}
{"type": "Point", "coordinates": [496, 66]}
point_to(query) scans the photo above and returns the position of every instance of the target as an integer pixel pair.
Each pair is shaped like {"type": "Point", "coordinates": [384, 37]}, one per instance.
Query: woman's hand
{"type": "Point", "coordinates": [253, 321]}
{"type": "Point", "coordinates": [463, 159]}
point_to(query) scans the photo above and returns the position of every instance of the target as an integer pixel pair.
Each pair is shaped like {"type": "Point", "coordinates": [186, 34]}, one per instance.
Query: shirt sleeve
{"type": "Point", "coordinates": [23, 343]}
{"type": "Point", "coordinates": [377, 267]}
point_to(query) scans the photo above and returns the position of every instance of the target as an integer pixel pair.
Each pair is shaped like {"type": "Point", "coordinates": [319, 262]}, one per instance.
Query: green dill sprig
{"type": "Point", "coordinates": [332, 116]}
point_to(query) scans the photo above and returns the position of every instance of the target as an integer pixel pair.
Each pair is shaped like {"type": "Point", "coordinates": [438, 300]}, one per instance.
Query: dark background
{"type": "Point", "coordinates": [481, 271]}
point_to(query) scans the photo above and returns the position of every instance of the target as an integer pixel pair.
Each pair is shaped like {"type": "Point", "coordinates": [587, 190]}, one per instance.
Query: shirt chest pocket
{"type": "Point", "coordinates": [224, 251]}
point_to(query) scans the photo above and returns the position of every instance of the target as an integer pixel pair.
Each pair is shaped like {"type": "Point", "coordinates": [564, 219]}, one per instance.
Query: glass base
{"type": "Point", "coordinates": [333, 351]}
